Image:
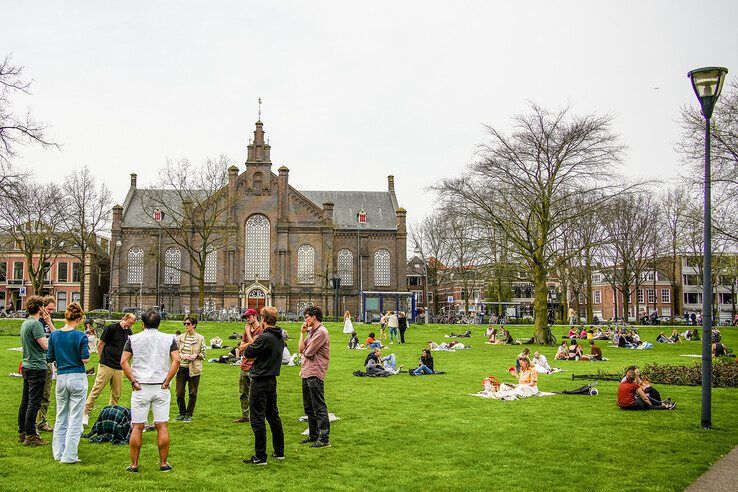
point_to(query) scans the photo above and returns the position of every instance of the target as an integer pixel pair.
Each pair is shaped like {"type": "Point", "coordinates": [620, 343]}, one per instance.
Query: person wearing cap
{"type": "Point", "coordinates": [244, 381]}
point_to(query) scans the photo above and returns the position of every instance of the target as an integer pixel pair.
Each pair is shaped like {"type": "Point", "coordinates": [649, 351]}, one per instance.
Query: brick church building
{"type": "Point", "coordinates": [291, 244]}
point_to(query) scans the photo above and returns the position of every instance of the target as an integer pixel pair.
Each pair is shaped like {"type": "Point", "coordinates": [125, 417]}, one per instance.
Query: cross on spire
{"type": "Point", "coordinates": [259, 108]}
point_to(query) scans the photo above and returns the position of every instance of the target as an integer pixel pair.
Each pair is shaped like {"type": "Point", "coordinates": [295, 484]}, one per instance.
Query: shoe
{"type": "Point", "coordinates": [672, 405]}
{"type": "Point", "coordinates": [132, 469]}
{"type": "Point", "coordinates": [187, 418]}
{"type": "Point", "coordinates": [309, 440]}
{"type": "Point", "coordinates": [149, 427]}
{"type": "Point", "coordinates": [44, 426]}
{"type": "Point", "coordinates": [321, 444]}
{"type": "Point", "coordinates": [71, 462]}
{"type": "Point", "coordinates": [254, 461]}
{"type": "Point", "coordinates": [277, 456]}
{"type": "Point", "coordinates": [90, 370]}
{"type": "Point", "coordinates": [34, 441]}
{"type": "Point", "coordinates": [85, 420]}
{"type": "Point", "coordinates": [241, 420]}
{"type": "Point", "coordinates": [179, 418]}
{"type": "Point", "coordinates": [21, 437]}
{"type": "Point", "coordinates": [165, 468]}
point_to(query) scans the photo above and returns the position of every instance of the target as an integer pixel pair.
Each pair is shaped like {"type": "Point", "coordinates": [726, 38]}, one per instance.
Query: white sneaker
{"type": "Point", "coordinates": [85, 419]}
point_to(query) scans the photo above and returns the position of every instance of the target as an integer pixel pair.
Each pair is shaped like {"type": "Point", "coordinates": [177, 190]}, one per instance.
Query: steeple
{"type": "Point", "coordinates": [258, 149]}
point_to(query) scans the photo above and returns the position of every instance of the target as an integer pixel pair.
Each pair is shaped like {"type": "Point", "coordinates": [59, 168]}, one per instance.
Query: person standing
{"type": "Point", "coordinates": [266, 351]}
{"type": "Point", "coordinates": [109, 370]}
{"type": "Point", "coordinates": [48, 307]}
{"type": "Point", "coordinates": [69, 348]}
{"type": "Point", "coordinates": [392, 324]}
{"type": "Point", "coordinates": [348, 326]}
{"type": "Point", "coordinates": [191, 353]}
{"type": "Point", "coordinates": [244, 381]}
{"type": "Point", "coordinates": [34, 368]}
{"type": "Point", "coordinates": [573, 317]}
{"type": "Point", "coordinates": [315, 346]}
{"type": "Point", "coordinates": [150, 361]}
{"type": "Point", "coordinates": [402, 325]}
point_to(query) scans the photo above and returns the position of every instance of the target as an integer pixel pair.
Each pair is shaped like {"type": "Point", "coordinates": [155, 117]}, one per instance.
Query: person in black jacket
{"type": "Point", "coordinates": [267, 350]}
{"type": "Point", "coordinates": [402, 324]}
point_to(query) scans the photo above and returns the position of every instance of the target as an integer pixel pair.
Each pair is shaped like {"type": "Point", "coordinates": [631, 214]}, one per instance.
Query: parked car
{"type": "Point", "coordinates": [99, 313]}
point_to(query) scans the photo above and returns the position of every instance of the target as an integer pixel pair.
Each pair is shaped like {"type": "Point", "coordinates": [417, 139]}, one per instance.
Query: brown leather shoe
{"type": "Point", "coordinates": [241, 420]}
{"type": "Point", "coordinates": [21, 437]}
{"type": "Point", "coordinates": [44, 426]}
{"type": "Point", "coordinates": [34, 441]}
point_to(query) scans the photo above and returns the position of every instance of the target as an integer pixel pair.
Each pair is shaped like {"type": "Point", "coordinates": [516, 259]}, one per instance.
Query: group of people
{"type": "Point", "coordinates": [397, 324]}
{"type": "Point", "coordinates": [589, 334]}
{"type": "Point", "coordinates": [637, 393]}
{"type": "Point", "coordinates": [573, 351]}
{"type": "Point", "coordinates": [150, 360]}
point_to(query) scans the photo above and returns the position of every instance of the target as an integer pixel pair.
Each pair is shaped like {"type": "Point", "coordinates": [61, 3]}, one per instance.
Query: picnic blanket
{"type": "Point", "coordinates": [509, 392]}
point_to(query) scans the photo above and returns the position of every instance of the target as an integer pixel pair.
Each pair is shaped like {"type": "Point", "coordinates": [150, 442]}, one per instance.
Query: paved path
{"type": "Point", "coordinates": [722, 476]}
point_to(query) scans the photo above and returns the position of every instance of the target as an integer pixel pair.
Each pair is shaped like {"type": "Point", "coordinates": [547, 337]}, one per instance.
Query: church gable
{"type": "Point", "coordinates": [300, 208]}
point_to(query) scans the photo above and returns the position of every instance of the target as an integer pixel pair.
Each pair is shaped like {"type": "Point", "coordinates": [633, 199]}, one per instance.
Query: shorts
{"type": "Point", "coordinates": [151, 396]}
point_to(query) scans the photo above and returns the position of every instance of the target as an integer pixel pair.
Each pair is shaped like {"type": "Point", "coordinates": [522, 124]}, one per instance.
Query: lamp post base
{"type": "Point", "coordinates": [707, 424]}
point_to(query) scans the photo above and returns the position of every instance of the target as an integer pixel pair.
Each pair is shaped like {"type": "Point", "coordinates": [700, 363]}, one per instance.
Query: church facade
{"type": "Point", "coordinates": [290, 246]}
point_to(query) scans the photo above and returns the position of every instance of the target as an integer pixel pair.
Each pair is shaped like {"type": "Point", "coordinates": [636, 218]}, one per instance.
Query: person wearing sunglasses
{"type": "Point", "coordinates": [191, 353]}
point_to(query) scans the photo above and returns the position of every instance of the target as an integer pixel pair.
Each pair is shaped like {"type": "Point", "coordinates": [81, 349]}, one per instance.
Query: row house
{"type": "Point", "coordinates": [653, 294]}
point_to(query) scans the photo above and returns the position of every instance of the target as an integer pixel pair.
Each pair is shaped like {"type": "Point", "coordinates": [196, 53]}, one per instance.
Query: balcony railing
{"type": "Point", "coordinates": [16, 281]}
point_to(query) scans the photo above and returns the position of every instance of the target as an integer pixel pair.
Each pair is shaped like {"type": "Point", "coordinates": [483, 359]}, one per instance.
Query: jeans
{"type": "Point", "coordinates": [393, 334]}
{"type": "Point", "coordinates": [264, 404]}
{"type": "Point", "coordinates": [184, 379]}
{"type": "Point", "coordinates": [422, 369]}
{"type": "Point", "coordinates": [390, 360]}
{"type": "Point", "coordinates": [244, 388]}
{"type": "Point", "coordinates": [374, 345]}
{"type": "Point", "coordinates": [71, 390]}
{"type": "Point", "coordinates": [46, 398]}
{"type": "Point", "coordinates": [33, 390]}
{"type": "Point", "coordinates": [313, 401]}
{"type": "Point", "coordinates": [402, 335]}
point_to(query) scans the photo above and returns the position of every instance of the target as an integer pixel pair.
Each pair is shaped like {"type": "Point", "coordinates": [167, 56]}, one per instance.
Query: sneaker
{"type": "Point", "coordinates": [85, 419]}
{"type": "Point", "coordinates": [132, 469]}
{"type": "Point", "coordinates": [21, 437]}
{"type": "Point", "coordinates": [321, 444]}
{"type": "Point", "coordinates": [672, 405]}
{"type": "Point", "coordinates": [179, 418]}
{"type": "Point", "coordinates": [254, 461]}
{"type": "Point", "coordinates": [187, 418]}
{"type": "Point", "coordinates": [34, 441]}
{"type": "Point", "coordinates": [165, 468]}
{"type": "Point", "coordinates": [309, 440]}
{"type": "Point", "coordinates": [241, 420]}
{"type": "Point", "coordinates": [44, 426]}
{"type": "Point", "coordinates": [277, 456]}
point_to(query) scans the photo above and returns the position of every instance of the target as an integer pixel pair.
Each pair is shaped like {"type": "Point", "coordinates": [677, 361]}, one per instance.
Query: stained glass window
{"type": "Point", "coordinates": [135, 265]}
{"type": "Point", "coordinates": [172, 266]}
{"type": "Point", "coordinates": [346, 267]}
{"type": "Point", "coordinates": [211, 264]}
{"type": "Point", "coordinates": [306, 264]}
{"type": "Point", "coordinates": [257, 248]}
{"type": "Point", "coordinates": [382, 268]}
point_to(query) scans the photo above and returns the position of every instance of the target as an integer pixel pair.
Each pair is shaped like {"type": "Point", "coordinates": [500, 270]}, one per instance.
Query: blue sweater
{"type": "Point", "coordinates": [67, 349]}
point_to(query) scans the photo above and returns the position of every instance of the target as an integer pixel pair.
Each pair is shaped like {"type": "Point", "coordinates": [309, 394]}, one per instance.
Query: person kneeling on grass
{"type": "Point", "coordinates": [425, 364]}
{"type": "Point", "coordinates": [631, 396]}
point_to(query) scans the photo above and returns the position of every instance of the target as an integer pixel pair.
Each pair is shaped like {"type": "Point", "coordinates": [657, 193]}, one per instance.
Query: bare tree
{"type": "Point", "coordinates": [195, 203]}
{"type": "Point", "coordinates": [674, 204]}
{"type": "Point", "coordinates": [85, 215]}
{"type": "Point", "coordinates": [431, 243]}
{"type": "Point", "coordinates": [525, 182]}
{"type": "Point", "coordinates": [17, 130]}
{"type": "Point", "coordinates": [30, 218]}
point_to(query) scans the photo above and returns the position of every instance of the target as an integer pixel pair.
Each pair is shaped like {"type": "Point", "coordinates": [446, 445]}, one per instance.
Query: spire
{"type": "Point", "coordinates": [258, 149]}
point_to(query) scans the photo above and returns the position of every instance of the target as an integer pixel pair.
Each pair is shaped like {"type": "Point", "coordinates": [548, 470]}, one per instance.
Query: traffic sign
{"type": "Point", "coordinates": [22, 292]}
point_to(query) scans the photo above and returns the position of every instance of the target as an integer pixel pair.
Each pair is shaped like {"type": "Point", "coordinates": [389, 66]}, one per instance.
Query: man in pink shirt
{"type": "Point", "coordinates": [315, 346]}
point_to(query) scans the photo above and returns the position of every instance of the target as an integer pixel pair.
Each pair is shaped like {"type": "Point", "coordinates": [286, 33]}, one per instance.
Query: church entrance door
{"type": "Point", "coordinates": [256, 299]}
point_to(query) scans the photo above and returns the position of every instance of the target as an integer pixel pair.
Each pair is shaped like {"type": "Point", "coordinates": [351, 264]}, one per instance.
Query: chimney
{"type": "Point", "coordinates": [391, 184]}
{"type": "Point", "coordinates": [328, 211]}
{"type": "Point", "coordinates": [133, 180]}
{"type": "Point", "coordinates": [401, 220]}
{"type": "Point", "coordinates": [117, 216]}
{"type": "Point", "coordinates": [282, 192]}
{"type": "Point", "coordinates": [232, 175]}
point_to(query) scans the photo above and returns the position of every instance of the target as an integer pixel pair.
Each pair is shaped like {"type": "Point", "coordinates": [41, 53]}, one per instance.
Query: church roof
{"type": "Point", "coordinates": [379, 206]}
{"type": "Point", "coordinates": [134, 214]}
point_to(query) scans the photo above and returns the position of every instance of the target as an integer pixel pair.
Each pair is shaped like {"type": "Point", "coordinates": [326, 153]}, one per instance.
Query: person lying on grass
{"type": "Point", "coordinates": [425, 364]}
{"type": "Point", "coordinates": [452, 345]}
{"type": "Point", "coordinates": [631, 396]}
{"type": "Point", "coordinates": [466, 334]}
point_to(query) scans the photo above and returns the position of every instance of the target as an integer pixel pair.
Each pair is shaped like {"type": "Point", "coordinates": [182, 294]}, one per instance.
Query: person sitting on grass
{"type": "Point", "coordinates": [595, 352]}
{"type": "Point", "coordinates": [662, 338]}
{"type": "Point", "coordinates": [523, 355]}
{"type": "Point", "coordinates": [598, 335]}
{"type": "Point", "coordinates": [425, 364]}
{"type": "Point", "coordinates": [674, 336]}
{"type": "Point", "coordinates": [540, 363]}
{"type": "Point", "coordinates": [492, 335]}
{"type": "Point", "coordinates": [573, 333]}
{"type": "Point", "coordinates": [720, 350]}
{"type": "Point", "coordinates": [371, 342]}
{"type": "Point", "coordinates": [583, 333]}
{"type": "Point", "coordinates": [376, 364]}
{"type": "Point", "coordinates": [631, 396]}
{"type": "Point", "coordinates": [575, 351]}
{"type": "Point", "coordinates": [354, 341]}
{"type": "Point", "coordinates": [563, 352]}
{"type": "Point", "coordinates": [527, 383]}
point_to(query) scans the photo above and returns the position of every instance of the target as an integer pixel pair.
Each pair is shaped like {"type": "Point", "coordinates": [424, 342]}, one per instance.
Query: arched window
{"type": "Point", "coordinates": [257, 248]}
{"type": "Point", "coordinates": [172, 266]}
{"type": "Point", "coordinates": [306, 264]}
{"type": "Point", "coordinates": [346, 267]}
{"type": "Point", "coordinates": [135, 265]}
{"type": "Point", "coordinates": [211, 265]}
{"type": "Point", "coordinates": [382, 268]}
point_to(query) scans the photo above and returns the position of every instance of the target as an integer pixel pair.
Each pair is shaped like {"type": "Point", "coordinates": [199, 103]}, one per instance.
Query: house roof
{"type": "Point", "coordinates": [134, 214]}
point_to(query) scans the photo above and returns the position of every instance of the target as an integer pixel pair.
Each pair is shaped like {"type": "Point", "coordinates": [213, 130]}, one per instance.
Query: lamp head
{"type": "Point", "coordinates": [707, 83]}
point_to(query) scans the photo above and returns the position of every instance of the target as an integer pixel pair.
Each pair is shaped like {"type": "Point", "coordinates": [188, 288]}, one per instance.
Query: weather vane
{"type": "Point", "coordinates": [260, 109]}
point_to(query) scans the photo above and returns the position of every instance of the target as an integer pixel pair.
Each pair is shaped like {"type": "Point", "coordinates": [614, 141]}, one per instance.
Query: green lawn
{"type": "Point", "coordinates": [404, 433]}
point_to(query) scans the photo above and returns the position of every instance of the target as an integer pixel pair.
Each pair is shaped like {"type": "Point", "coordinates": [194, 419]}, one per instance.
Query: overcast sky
{"type": "Point", "coordinates": [352, 92]}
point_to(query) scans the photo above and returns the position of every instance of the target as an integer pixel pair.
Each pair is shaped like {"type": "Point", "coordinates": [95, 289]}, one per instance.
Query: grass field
{"type": "Point", "coordinates": [404, 433]}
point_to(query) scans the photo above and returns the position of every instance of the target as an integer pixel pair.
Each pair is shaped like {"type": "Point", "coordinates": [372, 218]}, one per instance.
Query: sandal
{"type": "Point", "coordinates": [132, 469]}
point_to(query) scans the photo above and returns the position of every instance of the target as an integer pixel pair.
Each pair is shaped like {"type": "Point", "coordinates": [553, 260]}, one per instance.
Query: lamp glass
{"type": "Point", "coordinates": [706, 83]}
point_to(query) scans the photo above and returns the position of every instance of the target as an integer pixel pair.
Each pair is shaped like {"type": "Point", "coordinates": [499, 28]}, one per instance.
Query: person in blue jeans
{"type": "Point", "coordinates": [425, 364]}
{"type": "Point", "coordinates": [69, 348]}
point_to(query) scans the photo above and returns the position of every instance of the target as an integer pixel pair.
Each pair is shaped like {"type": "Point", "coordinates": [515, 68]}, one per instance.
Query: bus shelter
{"type": "Point", "coordinates": [373, 304]}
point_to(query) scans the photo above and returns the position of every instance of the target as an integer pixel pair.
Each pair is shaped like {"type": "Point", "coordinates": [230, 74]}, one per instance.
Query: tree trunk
{"type": "Point", "coordinates": [82, 268]}
{"type": "Point", "coordinates": [588, 273]}
{"type": "Point", "coordinates": [543, 335]}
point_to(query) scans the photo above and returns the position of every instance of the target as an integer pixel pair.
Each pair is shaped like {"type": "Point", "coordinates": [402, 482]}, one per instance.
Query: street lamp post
{"type": "Point", "coordinates": [707, 84]}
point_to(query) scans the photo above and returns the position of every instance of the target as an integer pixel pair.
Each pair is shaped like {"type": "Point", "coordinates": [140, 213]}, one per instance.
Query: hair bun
{"type": "Point", "coordinates": [73, 312]}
